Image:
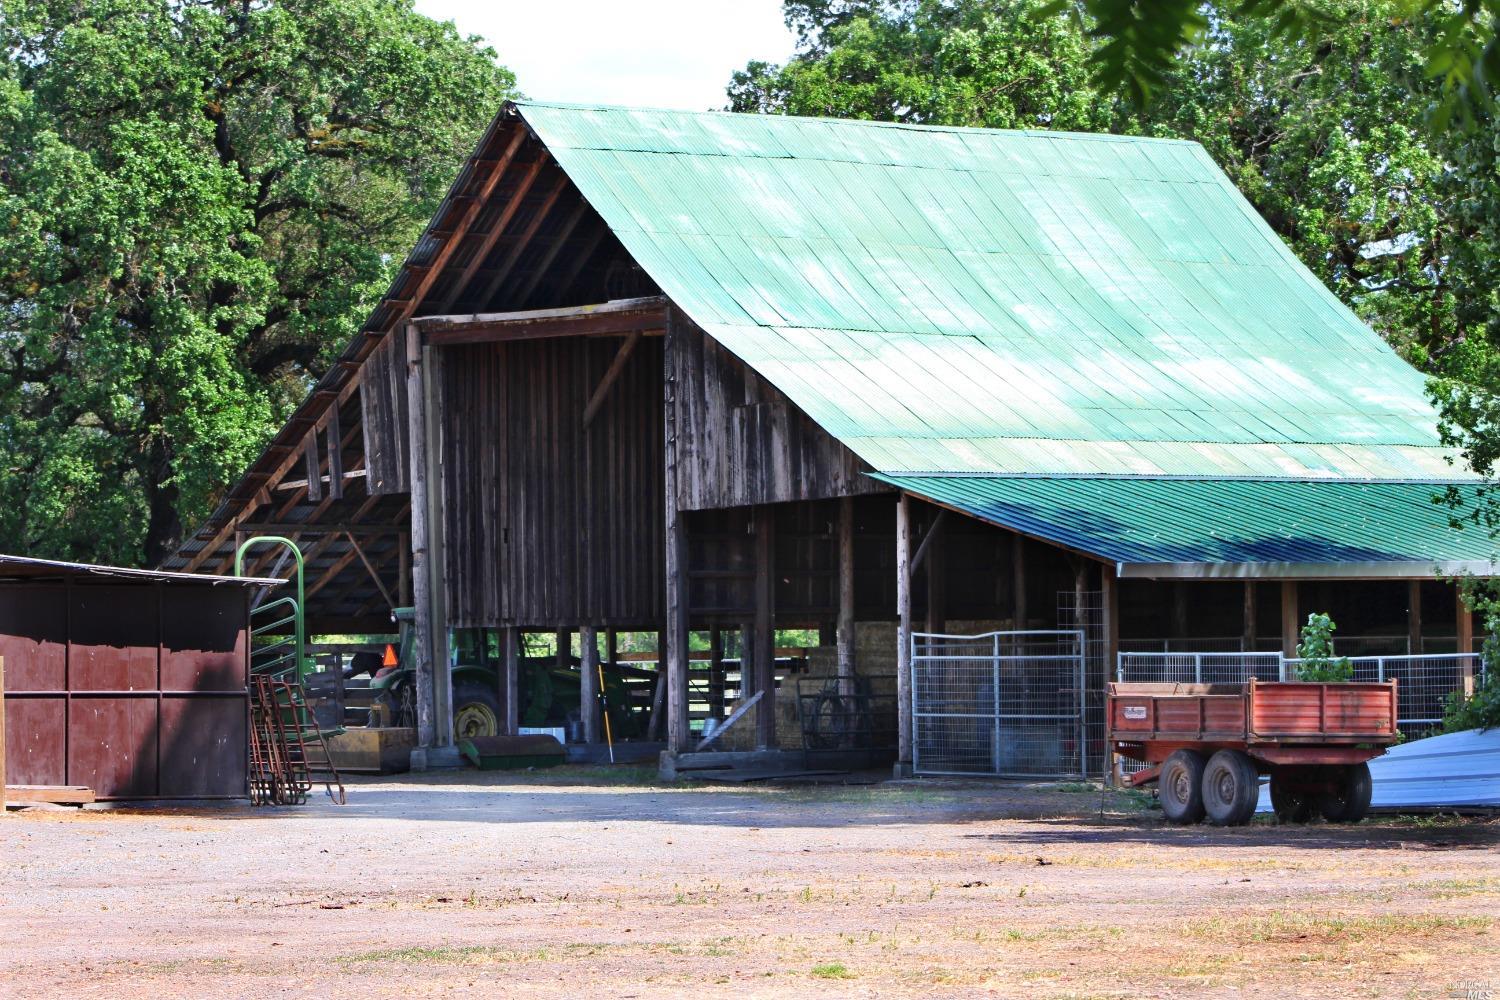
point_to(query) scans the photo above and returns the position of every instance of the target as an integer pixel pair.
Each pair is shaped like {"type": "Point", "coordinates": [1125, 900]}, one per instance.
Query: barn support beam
{"type": "Point", "coordinates": [765, 627]}
{"type": "Point", "coordinates": [903, 767]}
{"type": "Point", "coordinates": [1248, 615]}
{"type": "Point", "coordinates": [1018, 580]}
{"type": "Point", "coordinates": [510, 680]}
{"type": "Point", "coordinates": [676, 652]}
{"type": "Point", "coordinates": [1109, 627]}
{"type": "Point", "coordinates": [937, 575]}
{"type": "Point", "coordinates": [1464, 632]}
{"type": "Point", "coordinates": [420, 568]}
{"type": "Point", "coordinates": [1289, 622]}
{"type": "Point", "coordinates": [1414, 617]}
{"type": "Point", "coordinates": [588, 689]}
{"type": "Point", "coordinates": [844, 630]}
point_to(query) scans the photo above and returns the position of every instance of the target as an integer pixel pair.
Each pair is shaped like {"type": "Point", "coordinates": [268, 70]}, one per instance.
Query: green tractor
{"type": "Point", "coordinates": [549, 693]}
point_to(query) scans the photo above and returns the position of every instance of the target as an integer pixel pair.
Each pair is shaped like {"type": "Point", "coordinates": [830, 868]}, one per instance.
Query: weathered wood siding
{"type": "Point", "coordinates": [546, 524]}
{"type": "Point", "coordinates": [382, 395]}
{"type": "Point", "coordinates": [740, 441]}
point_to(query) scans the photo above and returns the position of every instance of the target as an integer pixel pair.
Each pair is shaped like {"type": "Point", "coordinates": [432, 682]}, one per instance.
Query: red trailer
{"type": "Point", "coordinates": [1210, 743]}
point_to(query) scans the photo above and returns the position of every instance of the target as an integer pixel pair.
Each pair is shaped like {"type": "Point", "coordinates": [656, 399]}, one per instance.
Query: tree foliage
{"type": "Point", "coordinates": [1140, 41]}
{"type": "Point", "coordinates": [199, 203]}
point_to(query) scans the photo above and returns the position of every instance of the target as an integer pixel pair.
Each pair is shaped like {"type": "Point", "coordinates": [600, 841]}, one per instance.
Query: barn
{"type": "Point", "coordinates": [1000, 414]}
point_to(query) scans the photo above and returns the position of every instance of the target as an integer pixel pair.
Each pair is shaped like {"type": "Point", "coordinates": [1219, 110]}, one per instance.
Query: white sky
{"type": "Point", "coordinates": [644, 53]}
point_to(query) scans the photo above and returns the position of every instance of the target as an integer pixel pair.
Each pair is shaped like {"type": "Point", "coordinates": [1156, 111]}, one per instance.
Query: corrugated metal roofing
{"type": "Point", "coordinates": [980, 301]}
{"type": "Point", "coordinates": [1452, 771]}
{"type": "Point", "coordinates": [1231, 528]}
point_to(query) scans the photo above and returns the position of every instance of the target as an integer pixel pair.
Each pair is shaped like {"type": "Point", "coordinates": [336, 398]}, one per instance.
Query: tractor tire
{"type": "Point", "coordinates": [476, 711]}
{"type": "Point", "coordinates": [1231, 787]}
{"type": "Point", "coordinates": [1349, 799]}
{"type": "Point", "coordinates": [1180, 787]}
{"type": "Point", "coordinates": [1291, 799]}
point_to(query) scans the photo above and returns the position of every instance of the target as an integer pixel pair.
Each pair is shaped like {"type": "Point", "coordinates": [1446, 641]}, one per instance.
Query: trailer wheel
{"type": "Point", "coordinates": [1291, 799]}
{"type": "Point", "coordinates": [1231, 786]}
{"type": "Point", "coordinates": [1180, 787]}
{"type": "Point", "coordinates": [1349, 799]}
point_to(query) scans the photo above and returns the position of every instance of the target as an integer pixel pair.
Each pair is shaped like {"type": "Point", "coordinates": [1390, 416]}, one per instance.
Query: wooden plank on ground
{"type": "Point", "coordinates": [69, 795]}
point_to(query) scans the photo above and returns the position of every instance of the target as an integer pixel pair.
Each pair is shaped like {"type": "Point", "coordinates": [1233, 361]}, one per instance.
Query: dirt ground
{"type": "Point", "coordinates": [588, 882]}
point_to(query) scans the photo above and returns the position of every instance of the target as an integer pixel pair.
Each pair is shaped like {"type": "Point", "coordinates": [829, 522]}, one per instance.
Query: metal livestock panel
{"type": "Point", "coordinates": [136, 689]}
{"type": "Point", "coordinates": [1008, 704]}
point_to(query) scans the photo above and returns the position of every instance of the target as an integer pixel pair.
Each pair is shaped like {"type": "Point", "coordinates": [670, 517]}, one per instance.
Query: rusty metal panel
{"type": "Point", "coordinates": [33, 638]}
{"type": "Point", "coordinates": [112, 638]}
{"type": "Point", "coordinates": [112, 745]}
{"type": "Point", "coordinates": [35, 739]}
{"type": "Point", "coordinates": [203, 748]}
{"type": "Point", "coordinates": [136, 689]}
{"type": "Point", "coordinates": [203, 640]}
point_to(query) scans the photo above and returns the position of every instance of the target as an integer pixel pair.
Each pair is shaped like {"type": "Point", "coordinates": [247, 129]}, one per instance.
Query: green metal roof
{"type": "Point", "coordinates": [1227, 528]}
{"type": "Point", "coordinates": [948, 300]}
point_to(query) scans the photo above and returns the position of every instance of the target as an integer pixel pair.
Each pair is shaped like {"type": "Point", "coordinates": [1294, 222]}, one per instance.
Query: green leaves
{"type": "Point", "coordinates": [199, 203]}
{"type": "Point", "coordinates": [1316, 653]}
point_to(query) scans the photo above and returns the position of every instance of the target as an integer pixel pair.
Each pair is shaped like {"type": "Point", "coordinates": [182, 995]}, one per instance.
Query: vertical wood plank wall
{"type": "Point", "coordinates": [548, 523]}
{"type": "Point", "coordinates": [741, 442]}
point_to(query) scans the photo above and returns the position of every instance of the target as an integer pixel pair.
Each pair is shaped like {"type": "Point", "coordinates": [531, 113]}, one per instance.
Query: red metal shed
{"type": "Point", "coordinates": [132, 682]}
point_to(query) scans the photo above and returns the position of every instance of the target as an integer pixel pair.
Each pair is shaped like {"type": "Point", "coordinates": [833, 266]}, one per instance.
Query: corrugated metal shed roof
{"type": "Point", "coordinates": [980, 301]}
{"type": "Point", "coordinates": [1227, 528]}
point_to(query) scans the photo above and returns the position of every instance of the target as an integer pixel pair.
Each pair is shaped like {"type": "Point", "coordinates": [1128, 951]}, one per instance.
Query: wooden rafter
{"type": "Point", "coordinates": [581, 258]}
{"type": "Point", "coordinates": [542, 266]}
{"type": "Point", "coordinates": [263, 495]}
{"type": "Point", "coordinates": [523, 242]}
{"type": "Point", "coordinates": [487, 243]}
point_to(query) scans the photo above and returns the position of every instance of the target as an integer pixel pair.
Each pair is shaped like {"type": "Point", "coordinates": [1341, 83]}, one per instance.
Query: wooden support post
{"type": "Point", "coordinates": [1465, 635]}
{"type": "Point", "coordinates": [510, 680]}
{"type": "Point", "coordinates": [1180, 626]}
{"type": "Point", "coordinates": [655, 727]}
{"type": "Point", "coordinates": [716, 672]}
{"type": "Point", "coordinates": [420, 570]}
{"type": "Point", "coordinates": [2, 736]}
{"type": "Point", "coordinates": [335, 456]}
{"type": "Point", "coordinates": [588, 689]}
{"type": "Point", "coordinates": [1109, 626]}
{"type": "Point", "coordinates": [844, 631]}
{"type": "Point", "coordinates": [1248, 616]}
{"type": "Point", "coordinates": [311, 463]}
{"type": "Point", "coordinates": [937, 570]}
{"type": "Point", "coordinates": [747, 660]}
{"type": "Point", "coordinates": [611, 647]}
{"type": "Point", "coordinates": [1291, 626]}
{"type": "Point", "coordinates": [1414, 617]}
{"type": "Point", "coordinates": [765, 627]}
{"type": "Point", "coordinates": [403, 584]}
{"type": "Point", "coordinates": [676, 655]}
{"type": "Point", "coordinates": [903, 636]}
{"type": "Point", "coordinates": [1018, 586]}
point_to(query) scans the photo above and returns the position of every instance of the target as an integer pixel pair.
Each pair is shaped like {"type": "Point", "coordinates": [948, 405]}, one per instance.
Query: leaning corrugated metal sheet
{"type": "Point", "coordinates": [1454, 771]}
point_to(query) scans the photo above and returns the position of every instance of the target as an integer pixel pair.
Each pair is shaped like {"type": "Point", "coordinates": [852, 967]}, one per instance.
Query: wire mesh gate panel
{"type": "Point", "coordinates": [1007, 704]}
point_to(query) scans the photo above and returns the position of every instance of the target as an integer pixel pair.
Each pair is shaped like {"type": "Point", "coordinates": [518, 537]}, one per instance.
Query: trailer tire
{"type": "Point", "coordinates": [1291, 799]}
{"type": "Point", "coordinates": [1180, 787]}
{"type": "Point", "coordinates": [1231, 787]}
{"type": "Point", "coordinates": [1349, 799]}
